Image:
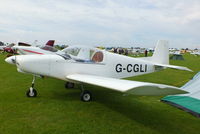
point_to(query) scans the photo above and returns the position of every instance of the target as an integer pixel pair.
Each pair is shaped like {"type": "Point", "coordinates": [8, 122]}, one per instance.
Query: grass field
{"type": "Point", "coordinates": [57, 110]}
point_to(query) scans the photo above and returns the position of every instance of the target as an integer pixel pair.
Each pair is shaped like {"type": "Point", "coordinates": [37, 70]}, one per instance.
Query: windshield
{"type": "Point", "coordinates": [49, 48]}
{"type": "Point", "coordinates": [72, 51]}
{"type": "Point", "coordinates": [84, 54]}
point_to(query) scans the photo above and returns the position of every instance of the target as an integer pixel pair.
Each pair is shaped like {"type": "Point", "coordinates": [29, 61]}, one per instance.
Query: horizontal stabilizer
{"type": "Point", "coordinates": [126, 86]}
{"type": "Point", "coordinates": [174, 67]}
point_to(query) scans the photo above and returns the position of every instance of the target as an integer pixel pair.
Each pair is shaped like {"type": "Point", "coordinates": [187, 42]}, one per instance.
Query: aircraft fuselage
{"type": "Point", "coordinates": [113, 65]}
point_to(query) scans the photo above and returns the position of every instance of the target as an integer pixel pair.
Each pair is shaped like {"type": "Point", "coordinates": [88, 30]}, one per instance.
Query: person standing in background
{"type": "Point", "coordinates": [145, 53]}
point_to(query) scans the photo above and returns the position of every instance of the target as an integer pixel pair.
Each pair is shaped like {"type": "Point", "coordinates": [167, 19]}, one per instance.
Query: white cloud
{"type": "Point", "coordinates": [91, 22]}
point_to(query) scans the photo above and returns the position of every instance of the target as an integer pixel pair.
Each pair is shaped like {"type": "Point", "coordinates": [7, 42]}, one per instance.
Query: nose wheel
{"type": "Point", "coordinates": [32, 92]}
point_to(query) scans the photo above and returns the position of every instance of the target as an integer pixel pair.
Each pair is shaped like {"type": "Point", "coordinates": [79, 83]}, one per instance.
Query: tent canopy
{"type": "Point", "coordinates": [176, 57]}
{"type": "Point", "coordinates": [189, 102]}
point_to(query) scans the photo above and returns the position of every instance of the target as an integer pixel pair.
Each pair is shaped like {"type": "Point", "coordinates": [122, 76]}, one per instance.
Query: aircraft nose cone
{"type": "Point", "coordinates": [11, 60]}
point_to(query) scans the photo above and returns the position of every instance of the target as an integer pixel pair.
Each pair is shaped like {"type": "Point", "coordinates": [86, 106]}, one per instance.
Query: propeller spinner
{"type": "Point", "coordinates": [11, 60]}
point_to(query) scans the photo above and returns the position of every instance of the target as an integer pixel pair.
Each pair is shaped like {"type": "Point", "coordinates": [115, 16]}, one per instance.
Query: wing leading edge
{"type": "Point", "coordinates": [126, 86]}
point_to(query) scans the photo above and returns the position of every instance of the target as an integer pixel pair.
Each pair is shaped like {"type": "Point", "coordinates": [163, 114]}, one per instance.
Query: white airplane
{"type": "Point", "coordinates": [196, 53]}
{"type": "Point", "coordinates": [2, 47]}
{"type": "Point", "coordinates": [100, 68]}
{"type": "Point", "coordinates": [31, 50]}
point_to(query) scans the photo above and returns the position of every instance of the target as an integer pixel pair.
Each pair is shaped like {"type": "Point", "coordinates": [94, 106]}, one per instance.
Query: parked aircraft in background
{"type": "Point", "coordinates": [98, 67]}
{"type": "Point", "coordinates": [2, 47]}
{"type": "Point", "coordinates": [196, 53]}
{"type": "Point", "coordinates": [8, 48]}
{"type": "Point", "coordinates": [26, 50]}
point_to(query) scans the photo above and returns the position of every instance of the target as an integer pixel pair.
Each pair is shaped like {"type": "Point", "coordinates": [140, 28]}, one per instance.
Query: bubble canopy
{"type": "Point", "coordinates": [84, 54]}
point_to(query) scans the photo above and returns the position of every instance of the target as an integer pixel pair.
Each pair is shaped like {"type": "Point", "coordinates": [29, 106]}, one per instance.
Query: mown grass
{"type": "Point", "coordinates": [58, 110]}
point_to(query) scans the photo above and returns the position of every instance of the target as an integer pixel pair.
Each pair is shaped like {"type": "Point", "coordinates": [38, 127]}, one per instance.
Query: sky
{"type": "Point", "coordinates": [123, 23]}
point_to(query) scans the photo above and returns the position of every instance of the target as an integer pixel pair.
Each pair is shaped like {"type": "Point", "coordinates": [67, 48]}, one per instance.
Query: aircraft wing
{"type": "Point", "coordinates": [126, 86]}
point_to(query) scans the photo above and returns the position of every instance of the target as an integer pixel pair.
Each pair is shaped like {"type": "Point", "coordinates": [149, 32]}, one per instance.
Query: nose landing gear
{"type": "Point", "coordinates": [31, 91]}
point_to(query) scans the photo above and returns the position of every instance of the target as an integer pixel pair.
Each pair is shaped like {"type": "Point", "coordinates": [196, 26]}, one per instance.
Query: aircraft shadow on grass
{"type": "Point", "coordinates": [131, 108]}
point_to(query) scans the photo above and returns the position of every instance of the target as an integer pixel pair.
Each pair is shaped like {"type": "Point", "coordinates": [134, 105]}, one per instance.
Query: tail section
{"type": "Point", "coordinates": [160, 57]}
{"type": "Point", "coordinates": [161, 53]}
{"type": "Point", "coordinates": [50, 43]}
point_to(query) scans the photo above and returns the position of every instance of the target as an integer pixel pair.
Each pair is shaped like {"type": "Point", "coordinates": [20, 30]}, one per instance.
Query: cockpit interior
{"type": "Point", "coordinates": [85, 54]}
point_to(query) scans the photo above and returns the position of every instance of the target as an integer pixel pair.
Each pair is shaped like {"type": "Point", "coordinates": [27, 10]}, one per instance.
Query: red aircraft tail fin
{"type": "Point", "coordinates": [50, 43]}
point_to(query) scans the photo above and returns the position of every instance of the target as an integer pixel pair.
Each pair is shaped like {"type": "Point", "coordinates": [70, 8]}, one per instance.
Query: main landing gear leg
{"type": "Point", "coordinates": [31, 91]}
{"type": "Point", "coordinates": [86, 96]}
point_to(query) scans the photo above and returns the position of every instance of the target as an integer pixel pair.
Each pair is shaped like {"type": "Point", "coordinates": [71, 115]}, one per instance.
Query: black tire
{"type": "Point", "coordinates": [33, 94]}
{"type": "Point", "coordinates": [69, 85]}
{"type": "Point", "coordinates": [86, 96]}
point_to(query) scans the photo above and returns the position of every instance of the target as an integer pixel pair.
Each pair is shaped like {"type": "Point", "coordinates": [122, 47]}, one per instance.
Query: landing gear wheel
{"type": "Point", "coordinates": [31, 92]}
{"type": "Point", "coordinates": [69, 85]}
{"type": "Point", "coordinates": [86, 96]}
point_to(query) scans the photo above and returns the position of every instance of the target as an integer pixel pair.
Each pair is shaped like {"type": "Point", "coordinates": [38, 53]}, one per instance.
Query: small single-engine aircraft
{"type": "Point", "coordinates": [196, 53]}
{"type": "Point", "coordinates": [98, 67]}
{"type": "Point", "coordinates": [9, 49]}
{"type": "Point", "coordinates": [2, 47]}
{"type": "Point", "coordinates": [27, 50]}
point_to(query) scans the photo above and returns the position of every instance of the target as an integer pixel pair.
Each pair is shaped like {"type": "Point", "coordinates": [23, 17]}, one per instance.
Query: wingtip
{"type": "Point", "coordinates": [187, 69]}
